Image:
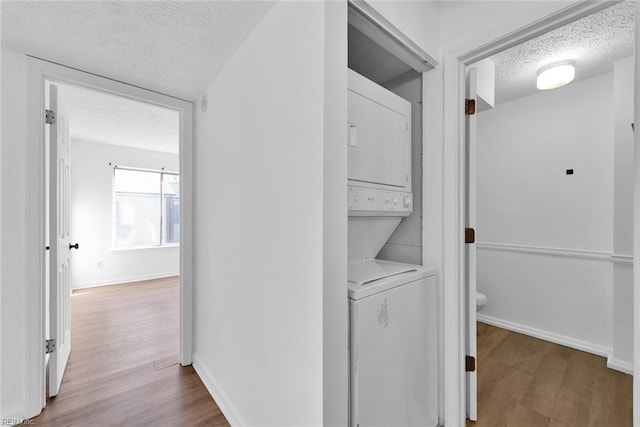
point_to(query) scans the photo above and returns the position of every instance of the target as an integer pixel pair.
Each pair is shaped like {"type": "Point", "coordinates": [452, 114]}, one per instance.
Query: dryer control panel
{"type": "Point", "coordinates": [363, 201]}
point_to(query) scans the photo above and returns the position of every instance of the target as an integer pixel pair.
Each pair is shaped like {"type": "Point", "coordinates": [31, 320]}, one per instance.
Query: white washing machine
{"type": "Point", "coordinates": [393, 336]}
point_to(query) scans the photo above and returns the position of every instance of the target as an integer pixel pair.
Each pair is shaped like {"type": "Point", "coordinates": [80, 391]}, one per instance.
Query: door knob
{"type": "Point", "coordinates": [76, 246]}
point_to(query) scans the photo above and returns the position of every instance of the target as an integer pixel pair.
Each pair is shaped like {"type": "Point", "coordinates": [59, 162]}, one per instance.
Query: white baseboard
{"type": "Point", "coordinates": [546, 335]}
{"type": "Point", "coordinates": [122, 280]}
{"type": "Point", "coordinates": [619, 365]}
{"type": "Point", "coordinates": [220, 397]}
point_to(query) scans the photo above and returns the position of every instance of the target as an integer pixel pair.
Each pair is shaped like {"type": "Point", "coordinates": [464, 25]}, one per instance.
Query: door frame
{"type": "Point", "coordinates": [40, 72]}
{"type": "Point", "coordinates": [453, 187]}
{"type": "Point", "coordinates": [636, 225]}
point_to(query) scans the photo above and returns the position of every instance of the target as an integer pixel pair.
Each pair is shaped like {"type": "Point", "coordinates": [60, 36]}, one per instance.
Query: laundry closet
{"type": "Point", "coordinates": [393, 298]}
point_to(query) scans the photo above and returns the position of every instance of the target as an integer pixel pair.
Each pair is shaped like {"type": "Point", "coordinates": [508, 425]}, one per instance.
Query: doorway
{"type": "Point", "coordinates": [516, 181]}
{"type": "Point", "coordinates": [40, 73]}
{"type": "Point", "coordinates": [114, 191]}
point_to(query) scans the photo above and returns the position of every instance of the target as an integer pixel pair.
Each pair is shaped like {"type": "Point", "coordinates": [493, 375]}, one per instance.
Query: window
{"type": "Point", "coordinates": [146, 208]}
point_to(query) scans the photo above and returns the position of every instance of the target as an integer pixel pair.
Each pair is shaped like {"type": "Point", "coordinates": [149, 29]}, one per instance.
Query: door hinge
{"type": "Point", "coordinates": [469, 107]}
{"type": "Point", "coordinates": [469, 364]}
{"type": "Point", "coordinates": [50, 117]}
{"type": "Point", "coordinates": [469, 235]}
{"type": "Point", "coordinates": [50, 346]}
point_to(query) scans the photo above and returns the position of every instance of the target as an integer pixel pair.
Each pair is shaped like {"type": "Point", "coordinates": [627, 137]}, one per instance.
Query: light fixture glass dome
{"type": "Point", "coordinates": [554, 75]}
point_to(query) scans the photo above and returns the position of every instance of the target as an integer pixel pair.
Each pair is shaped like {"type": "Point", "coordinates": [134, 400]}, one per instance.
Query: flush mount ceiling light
{"type": "Point", "coordinates": [554, 75]}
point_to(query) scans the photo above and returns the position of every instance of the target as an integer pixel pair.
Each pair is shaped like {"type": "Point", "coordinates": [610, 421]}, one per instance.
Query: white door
{"type": "Point", "coordinates": [60, 243]}
{"type": "Point", "coordinates": [470, 249]}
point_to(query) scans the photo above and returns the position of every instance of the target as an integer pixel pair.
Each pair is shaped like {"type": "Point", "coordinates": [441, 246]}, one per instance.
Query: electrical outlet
{"type": "Point", "coordinates": [101, 264]}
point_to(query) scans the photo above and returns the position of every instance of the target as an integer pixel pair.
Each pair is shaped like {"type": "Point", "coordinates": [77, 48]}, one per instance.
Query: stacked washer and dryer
{"type": "Point", "coordinates": [392, 306]}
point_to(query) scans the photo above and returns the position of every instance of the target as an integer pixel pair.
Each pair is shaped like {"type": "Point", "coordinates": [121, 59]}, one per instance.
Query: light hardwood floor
{"type": "Point", "coordinates": [123, 369]}
{"type": "Point", "coordinates": [524, 381]}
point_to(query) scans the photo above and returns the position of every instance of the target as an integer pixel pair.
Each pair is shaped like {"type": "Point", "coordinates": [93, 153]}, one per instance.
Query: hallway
{"type": "Point", "coordinates": [123, 368]}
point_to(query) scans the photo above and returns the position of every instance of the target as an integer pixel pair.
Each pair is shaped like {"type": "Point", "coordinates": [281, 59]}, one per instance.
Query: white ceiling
{"type": "Point", "coordinates": [110, 119]}
{"type": "Point", "coordinates": [593, 42]}
{"type": "Point", "coordinates": [178, 47]}
{"type": "Point", "coordinates": [173, 47]}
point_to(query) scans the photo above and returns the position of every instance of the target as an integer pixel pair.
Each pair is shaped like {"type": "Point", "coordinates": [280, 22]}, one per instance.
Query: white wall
{"type": "Point", "coordinates": [13, 227]}
{"type": "Point", "coordinates": [92, 222]}
{"type": "Point", "coordinates": [558, 298]}
{"type": "Point", "coordinates": [258, 278]}
{"type": "Point", "coordinates": [524, 149]}
{"type": "Point", "coordinates": [527, 203]}
{"type": "Point", "coordinates": [335, 309]}
{"type": "Point", "coordinates": [623, 87]}
{"type": "Point", "coordinates": [623, 160]}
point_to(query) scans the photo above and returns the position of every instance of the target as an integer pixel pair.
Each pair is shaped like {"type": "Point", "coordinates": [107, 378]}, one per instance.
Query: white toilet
{"type": "Point", "coordinates": [481, 301]}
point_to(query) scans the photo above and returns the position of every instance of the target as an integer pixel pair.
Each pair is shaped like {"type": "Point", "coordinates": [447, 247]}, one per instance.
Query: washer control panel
{"type": "Point", "coordinates": [373, 201]}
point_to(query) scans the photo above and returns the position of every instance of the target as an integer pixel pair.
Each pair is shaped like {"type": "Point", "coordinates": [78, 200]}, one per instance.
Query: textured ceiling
{"type": "Point", "coordinates": [593, 42]}
{"type": "Point", "coordinates": [102, 117]}
{"type": "Point", "coordinates": [173, 47]}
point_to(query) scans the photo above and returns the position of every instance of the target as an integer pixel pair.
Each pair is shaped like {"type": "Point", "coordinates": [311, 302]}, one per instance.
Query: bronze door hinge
{"type": "Point", "coordinates": [469, 235]}
{"type": "Point", "coordinates": [469, 107]}
{"type": "Point", "coordinates": [470, 364]}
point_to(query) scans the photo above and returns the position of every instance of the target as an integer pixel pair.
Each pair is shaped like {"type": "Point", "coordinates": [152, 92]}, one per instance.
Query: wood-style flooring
{"type": "Point", "coordinates": [123, 369]}
{"type": "Point", "coordinates": [527, 382]}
